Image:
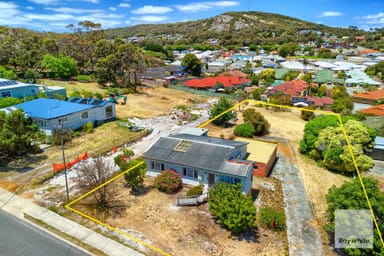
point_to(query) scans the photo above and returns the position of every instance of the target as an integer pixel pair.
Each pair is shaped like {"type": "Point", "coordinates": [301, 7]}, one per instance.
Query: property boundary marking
{"type": "Point", "coordinates": [153, 248]}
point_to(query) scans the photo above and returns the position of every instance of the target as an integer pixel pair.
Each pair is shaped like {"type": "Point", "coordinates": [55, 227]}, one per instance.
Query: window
{"type": "Point", "coordinates": [230, 180]}
{"type": "Point", "coordinates": [62, 120]}
{"type": "Point", "coordinates": [189, 172]}
{"type": "Point", "coordinates": [108, 111]}
{"type": "Point", "coordinates": [6, 94]}
{"type": "Point", "coordinates": [183, 146]}
{"type": "Point", "coordinates": [41, 123]}
{"type": "Point", "coordinates": [84, 115]}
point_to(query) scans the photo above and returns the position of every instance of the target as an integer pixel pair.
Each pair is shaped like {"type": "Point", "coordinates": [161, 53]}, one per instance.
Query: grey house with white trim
{"type": "Point", "coordinates": [201, 160]}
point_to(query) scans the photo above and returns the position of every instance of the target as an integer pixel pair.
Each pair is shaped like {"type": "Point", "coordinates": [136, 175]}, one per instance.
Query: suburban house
{"type": "Point", "coordinates": [263, 153]}
{"type": "Point", "coordinates": [11, 88]}
{"type": "Point", "coordinates": [371, 97]}
{"type": "Point", "coordinates": [48, 114]}
{"type": "Point", "coordinates": [324, 103]}
{"type": "Point", "coordinates": [373, 111]}
{"type": "Point", "coordinates": [293, 88]}
{"type": "Point", "coordinates": [201, 159]}
{"type": "Point", "coordinates": [221, 80]}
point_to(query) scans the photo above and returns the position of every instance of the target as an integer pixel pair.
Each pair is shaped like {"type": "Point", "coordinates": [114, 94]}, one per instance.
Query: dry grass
{"type": "Point", "coordinates": [73, 86]}
{"type": "Point", "coordinates": [152, 102]}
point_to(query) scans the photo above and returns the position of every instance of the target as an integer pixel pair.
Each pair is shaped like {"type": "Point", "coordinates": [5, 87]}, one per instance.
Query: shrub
{"type": "Point", "coordinates": [272, 218]}
{"type": "Point", "coordinates": [88, 127]}
{"type": "Point", "coordinates": [244, 130]}
{"type": "Point", "coordinates": [168, 181]}
{"type": "Point", "coordinates": [83, 78]}
{"type": "Point", "coordinates": [195, 191]}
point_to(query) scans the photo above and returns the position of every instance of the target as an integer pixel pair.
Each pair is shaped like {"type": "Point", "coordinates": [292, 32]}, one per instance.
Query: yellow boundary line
{"type": "Point", "coordinates": [68, 206]}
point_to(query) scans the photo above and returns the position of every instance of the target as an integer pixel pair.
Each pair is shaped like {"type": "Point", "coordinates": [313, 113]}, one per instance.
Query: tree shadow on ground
{"type": "Point", "coordinates": [23, 164]}
{"type": "Point", "coordinates": [143, 191]}
{"type": "Point", "coordinates": [249, 236]}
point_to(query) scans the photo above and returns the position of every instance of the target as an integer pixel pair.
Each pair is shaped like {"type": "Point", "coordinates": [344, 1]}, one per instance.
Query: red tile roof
{"type": "Point", "coordinates": [366, 51]}
{"type": "Point", "coordinates": [320, 101]}
{"type": "Point", "coordinates": [372, 95]}
{"type": "Point", "coordinates": [237, 73]}
{"type": "Point", "coordinates": [210, 82]}
{"type": "Point", "coordinates": [293, 88]}
{"type": "Point", "coordinates": [375, 110]}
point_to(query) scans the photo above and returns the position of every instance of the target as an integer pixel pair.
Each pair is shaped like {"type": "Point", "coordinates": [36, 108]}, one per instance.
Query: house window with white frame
{"type": "Point", "coordinates": [84, 115]}
{"type": "Point", "coordinates": [40, 123]}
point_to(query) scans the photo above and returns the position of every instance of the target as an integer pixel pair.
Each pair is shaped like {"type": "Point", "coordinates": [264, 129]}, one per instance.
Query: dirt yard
{"type": "Point", "coordinates": [153, 102]}
{"type": "Point", "coordinates": [154, 218]}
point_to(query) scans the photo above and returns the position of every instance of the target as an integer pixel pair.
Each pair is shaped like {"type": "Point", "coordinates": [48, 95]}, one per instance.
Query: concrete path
{"type": "Point", "coordinates": [19, 206]}
{"type": "Point", "coordinates": [303, 238]}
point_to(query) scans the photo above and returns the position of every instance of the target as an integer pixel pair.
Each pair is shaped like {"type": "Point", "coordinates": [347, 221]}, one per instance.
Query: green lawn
{"type": "Point", "coordinates": [72, 86]}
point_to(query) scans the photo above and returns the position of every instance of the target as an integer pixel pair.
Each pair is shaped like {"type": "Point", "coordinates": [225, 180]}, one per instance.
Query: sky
{"type": "Point", "coordinates": [55, 15]}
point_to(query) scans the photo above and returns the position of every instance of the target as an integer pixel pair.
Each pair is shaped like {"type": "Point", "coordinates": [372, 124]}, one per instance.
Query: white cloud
{"type": "Point", "coordinates": [151, 18]}
{"type": "Point", "coordinates": [124, 5]}
{"type": "Point", "coordinates": [48, 17]}
{"type": "Point", "coordinates": [330, 14]}
{"type": "Point", "coordinates": [29, 8]}
{"type": "Point", "coordinates": [112, 9]}
{"type": "Point", "coordinates": [73, 10]}
{"type": "Point", "coordinates": [204, 6]}
{"type": "Point", "coordinates": [7, 5]}
{"type": "Point", "coordinates": [44, 2]}
{"type": "Point", "coordinates": [92, 1]}
{"type": "Point", "coordinates": [150, 9]}
{"type": "Point", "coordinates": [372, 20]}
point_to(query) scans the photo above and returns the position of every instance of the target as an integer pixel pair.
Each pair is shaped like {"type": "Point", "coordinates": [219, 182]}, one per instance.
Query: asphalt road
{"type": "Point", "coordinates": [20, 238]}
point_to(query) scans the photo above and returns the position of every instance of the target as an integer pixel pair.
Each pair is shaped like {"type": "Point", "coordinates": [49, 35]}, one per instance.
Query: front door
{"type": "Point", "coordinates": [211, 179]}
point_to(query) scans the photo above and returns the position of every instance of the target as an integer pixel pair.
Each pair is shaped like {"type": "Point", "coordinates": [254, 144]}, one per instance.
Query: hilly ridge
{"type": "Point", "coordinates": [233, 28]}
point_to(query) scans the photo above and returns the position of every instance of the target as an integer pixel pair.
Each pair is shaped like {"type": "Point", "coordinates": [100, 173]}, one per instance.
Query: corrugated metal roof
{"type": "Point", "coordinates": [236, 168]}
{"type": "Point", "coordinates": [205, 152]}
{"type": "Point", "coordinates": [379, 142]}
{"type": "Point", "coordinates": [51, 108]}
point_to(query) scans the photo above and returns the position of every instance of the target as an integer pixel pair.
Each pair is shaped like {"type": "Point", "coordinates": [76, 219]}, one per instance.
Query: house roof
{"type": "Point", "coordinates": [6, 84]}
{"type": "Point", "coordinates": [372, 95]}
{"type": "Point", "coordinates": [201, 152]}
{"type": "Point", "coordinates": [293, 88]}
{"type": "Point", "coordinates": [259, 151]}
{"type": "Point", "coordinates": [326, 76]}
{"type": "Point", "coordinates": [210, 82]}
{"type": "Point", "coordinates": [51, 108]}
{"type": "Point", "coordinates": [320, 101]}
{"type": "Point", "coordinates": [375, 110]}
{"type": "Point", "coordinates": [237, 73]}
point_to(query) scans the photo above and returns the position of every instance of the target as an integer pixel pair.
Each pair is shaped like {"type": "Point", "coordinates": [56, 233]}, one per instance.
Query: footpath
{"type": "Point", "coordinates": [18, 206]}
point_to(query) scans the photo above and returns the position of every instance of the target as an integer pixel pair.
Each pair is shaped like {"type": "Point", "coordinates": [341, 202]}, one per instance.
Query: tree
{"type": "Point", "coordinates": [331, 148]}
{"type": "Point", "coordinates": [123, 68]}
{"type": "Point", "coordinates": [222, 105]}
{"type": "Point", "coordinates": [169, 181]}
{"type": "Point", "coordinates": [59, 67]}
{"type": "Point", "coordinates": [257, 92]}
{"type": "Point", "coordinates": [288, 49]}
{"type": "Point", "coordinates": [135, 178]}
{"type": "Point", "coordinates": [16, 133]}
{"type": "Point", "coordinates": [233, 209]}
{"type": "Point", "coordinates": [312, 129]}
{"type": "Point", "coordinates": [244, 130]}
{"type": "Point", "coordinates": [351, 196]}
{"type": "Point", "coordinates": [7, 74]}
{"type": "Point", "coordinates": [192, 63]}
{"type": "Point", "coordinates": [257, 121]}
{"type": "Point", "coordinates": [267, 76]}
{"type": "Point", "coordinates": [308, 114]}
{"type": "Point", "coordinates": [96, 172]}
